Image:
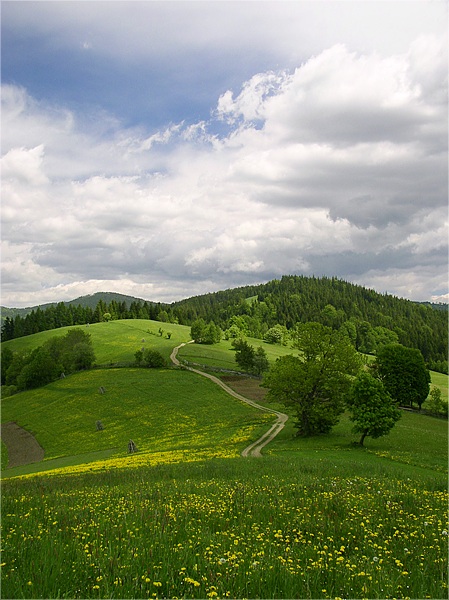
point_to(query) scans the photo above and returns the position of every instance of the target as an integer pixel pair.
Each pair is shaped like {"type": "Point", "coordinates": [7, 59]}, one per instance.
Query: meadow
{"type": "Point", "coordinates": [187, 516]}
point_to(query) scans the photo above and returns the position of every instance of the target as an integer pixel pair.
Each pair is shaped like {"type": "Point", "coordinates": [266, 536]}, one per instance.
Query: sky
{"type": "Point", "coordinates": [170, 149]}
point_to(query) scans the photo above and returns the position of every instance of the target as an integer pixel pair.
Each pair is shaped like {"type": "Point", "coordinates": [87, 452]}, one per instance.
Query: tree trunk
{"type": "Point", "coordinates": [362, 439]}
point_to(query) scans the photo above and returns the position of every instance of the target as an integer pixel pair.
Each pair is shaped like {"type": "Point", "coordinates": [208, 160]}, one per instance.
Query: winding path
{"type": "Point", "coordinates": [255, 448]}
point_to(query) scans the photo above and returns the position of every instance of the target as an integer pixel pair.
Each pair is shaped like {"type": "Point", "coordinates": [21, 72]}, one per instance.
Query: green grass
{"type": "Point", "coordinates": [116, 341]}
{"type": "Point", "coordinates": [440, 380]}
{"type": "Point", "coordinates": [236, 528]}
{"type": "Point", "coordinates": [417, 440]}
{"type": "Point", "coordinates": [223, 355]}
{"type": "Point", "coordinates": [161, 410]}
{"type": "Point", "coordinates": [313, 518]}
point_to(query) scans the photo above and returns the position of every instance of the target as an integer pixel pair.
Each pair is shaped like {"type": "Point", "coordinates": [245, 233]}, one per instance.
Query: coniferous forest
{"type": "Point", "coordinates": [369, 318]}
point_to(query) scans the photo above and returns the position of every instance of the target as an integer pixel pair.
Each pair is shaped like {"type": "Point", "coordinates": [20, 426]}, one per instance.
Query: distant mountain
{"type": "Point", "coordinates": [90, 300]}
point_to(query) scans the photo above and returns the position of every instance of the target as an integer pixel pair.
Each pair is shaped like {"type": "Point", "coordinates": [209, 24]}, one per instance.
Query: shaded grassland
{"type": "Point", "coordinates": [187, 517]}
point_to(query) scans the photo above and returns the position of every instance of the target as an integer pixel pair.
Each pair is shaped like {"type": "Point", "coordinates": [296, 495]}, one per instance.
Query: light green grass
{"type": "Point", "coordinates": [241, 528]}
{"type": "Point", "coordinates": [417, 440]}
{"type": "Point", "coordinates": [441, 381]}
{"type": "Point", "coordinates": [116, 341]}
{"type": "Point", "coordinates": [223, 355]}
{"type": "Point", "coordinates": [160, 410]}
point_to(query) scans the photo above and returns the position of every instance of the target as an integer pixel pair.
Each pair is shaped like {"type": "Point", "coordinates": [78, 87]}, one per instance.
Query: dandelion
{"type": "Point", "coordinates": [157, 583]}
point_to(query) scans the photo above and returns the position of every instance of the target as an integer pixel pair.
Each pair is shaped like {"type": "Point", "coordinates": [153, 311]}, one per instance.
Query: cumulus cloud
{"type": "Point", "coordinates": [336, 167]}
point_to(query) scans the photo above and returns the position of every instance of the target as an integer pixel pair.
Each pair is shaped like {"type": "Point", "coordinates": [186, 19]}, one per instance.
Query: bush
{"type": "Point", "coordinates": [435, 403]}
{"type": "Point", "coordinates": [151, 359]}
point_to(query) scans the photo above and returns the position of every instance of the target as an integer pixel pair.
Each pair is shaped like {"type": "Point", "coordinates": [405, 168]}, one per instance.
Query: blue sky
{"type": "Point", "coordinates": [167, 149]}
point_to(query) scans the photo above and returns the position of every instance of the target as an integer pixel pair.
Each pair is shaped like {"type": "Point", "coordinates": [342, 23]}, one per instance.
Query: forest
{"type": "Point", "coordinates": [369, 318]}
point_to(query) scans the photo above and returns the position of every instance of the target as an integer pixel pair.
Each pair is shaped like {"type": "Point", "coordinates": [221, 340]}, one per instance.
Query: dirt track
{"type": "Point", "coordinates": [23, 448]}
{"type": "Point", "coordinates": [255, 448]}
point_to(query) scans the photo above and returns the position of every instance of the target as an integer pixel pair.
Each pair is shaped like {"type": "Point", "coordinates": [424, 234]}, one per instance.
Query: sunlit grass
{"type": "Point", "coordinates": [162, 411]}
{"type": "Point", "coordinates": [116, 341]}
{"type": "Point", "coordinates": [236, 528]}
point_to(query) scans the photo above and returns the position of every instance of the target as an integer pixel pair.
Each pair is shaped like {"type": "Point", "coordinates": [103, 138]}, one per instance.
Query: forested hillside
{"type": "Point", "coordinates": [330, 301]}
{"type": "Point", "coordinates": [369, 318]}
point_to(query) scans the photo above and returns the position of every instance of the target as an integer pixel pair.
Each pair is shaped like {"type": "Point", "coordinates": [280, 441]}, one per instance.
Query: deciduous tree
{"type": "Point", "coordinates": [373, 410]}
{"type": "Point", "coordinates": [404, 374]}
{"type": "Point", "coordinates": [316, 382]}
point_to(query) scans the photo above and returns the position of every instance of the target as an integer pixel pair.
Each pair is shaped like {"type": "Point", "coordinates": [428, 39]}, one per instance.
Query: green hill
{"type": "Point", "coordinates": [370, 317]}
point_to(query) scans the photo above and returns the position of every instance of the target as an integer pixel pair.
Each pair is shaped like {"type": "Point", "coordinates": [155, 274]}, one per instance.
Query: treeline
{"type": "Point", "coordinates": [371, 319]}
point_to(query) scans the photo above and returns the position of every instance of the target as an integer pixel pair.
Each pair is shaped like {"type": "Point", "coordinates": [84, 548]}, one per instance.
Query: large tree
{"type": "Point", "coordinates": [404, 374]}
{"type": "Point", "coordinates": [374, 412]}
{"type": "Point", "coordinates": [316, 382]}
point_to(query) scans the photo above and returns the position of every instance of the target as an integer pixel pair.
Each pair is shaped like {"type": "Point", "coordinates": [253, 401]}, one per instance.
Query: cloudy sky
{"type": "Point", "coordinates": [167, 149]}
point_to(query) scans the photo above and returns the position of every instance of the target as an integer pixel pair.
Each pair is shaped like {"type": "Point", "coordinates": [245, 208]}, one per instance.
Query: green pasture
{"type": "Point", "coordinates": [116, 341]}
{"type": "Point", "coordinates": [440, 380]}
{"type": "Point", "coordinates": [280, 527]}
{"type": "Point", "coordinates": [223, 355]}
{"type": "Point", "coordinates": [160, 410]}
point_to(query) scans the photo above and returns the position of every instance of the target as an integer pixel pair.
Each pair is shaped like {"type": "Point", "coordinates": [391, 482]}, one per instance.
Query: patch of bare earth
{"type": "Point", "coordinates": [23, 448]}
{"type": "Point", "coordinates": [246, 386]}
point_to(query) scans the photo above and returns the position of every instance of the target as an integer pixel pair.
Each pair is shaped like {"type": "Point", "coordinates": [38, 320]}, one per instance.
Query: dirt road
{"type": "Point", "coordinates": [255, 448]}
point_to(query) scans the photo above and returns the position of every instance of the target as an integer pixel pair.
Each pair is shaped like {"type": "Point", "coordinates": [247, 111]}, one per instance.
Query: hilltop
{"type": "Point", "coordinates": [367, 315]}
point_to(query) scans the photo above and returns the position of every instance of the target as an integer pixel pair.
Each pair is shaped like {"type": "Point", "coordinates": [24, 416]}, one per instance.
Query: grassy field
{"type": "Point", "coordinates": [187, 516]}
{"type": "Point", "coordinates": [116, 341]}
{"type": "Point", "coordinates": [165, 411]}
{"type": "Point", "coordinates": [228, 528]}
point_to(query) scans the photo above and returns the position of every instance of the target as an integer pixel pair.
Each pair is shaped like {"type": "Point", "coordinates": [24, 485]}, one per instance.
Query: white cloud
{"type": "Point", "coordinates": [337, 167]}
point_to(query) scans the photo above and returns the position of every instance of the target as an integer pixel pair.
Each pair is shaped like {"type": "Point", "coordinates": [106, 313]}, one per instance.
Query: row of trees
{"type": "Point", "coordinates": [58, 356]}
{"type": "Point", "coordinates": [67, 315]}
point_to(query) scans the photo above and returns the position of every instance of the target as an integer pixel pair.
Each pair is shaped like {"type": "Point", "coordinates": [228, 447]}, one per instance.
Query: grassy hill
{"type": "Point", "coordinates": [187, 516]}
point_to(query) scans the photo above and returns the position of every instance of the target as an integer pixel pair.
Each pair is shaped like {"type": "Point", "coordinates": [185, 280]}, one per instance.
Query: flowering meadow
{"type": "Point", "coordinates": [277, 527]}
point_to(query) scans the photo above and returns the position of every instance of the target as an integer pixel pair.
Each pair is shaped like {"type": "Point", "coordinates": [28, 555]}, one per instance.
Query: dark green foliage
{"type": "Point", "coordinates": [330, 301]}
{"type": "Point", "coordinates": [203, 333]}
{"type": "Point", "coordinates": [260, 362]}
{"type": "Point", "coordinates": [372, 408]}
{"type": "Point", "coordinates": [316, 383]}
{"type": "Point", "coordinates": [40, 370]}
{"type": "Point", "coordinates": [150, 358]}
{"type": "Point", "coordinates": [253, 361]}
{"type": "Point", "coordinates": [404, 374]}
{"type": "Point", "coordinates": [68, 354]}
{"type": "Point", "coordinates": [7, 358]}
{"type": "Point", "coordinates": [244, 354]}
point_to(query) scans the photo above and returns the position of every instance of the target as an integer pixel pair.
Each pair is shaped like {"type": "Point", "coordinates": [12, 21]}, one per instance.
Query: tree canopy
{"type": "Point", "coordinates": [67, 354]}
{"type": "Point", "coordinates": [316, 382]}
{"type": "Point", "coordinates": [404, 374]}
{"type": "Point", "coordinates": [372, 408]}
